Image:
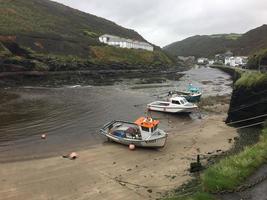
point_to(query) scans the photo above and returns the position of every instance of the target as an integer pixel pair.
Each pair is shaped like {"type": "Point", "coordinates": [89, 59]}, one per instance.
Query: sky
{"type": "Point", "coordinates": [162, 22]}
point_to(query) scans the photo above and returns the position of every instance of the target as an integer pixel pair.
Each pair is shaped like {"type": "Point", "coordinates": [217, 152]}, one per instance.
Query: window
{"type": "Point", "coordinates": [154, 128]}
{"type": "Point", "coordinates": [145, 129]}
{"type": "Point", "coordinates": [175, 102]}
{"type": "Point", "coordinates": [182, 102]}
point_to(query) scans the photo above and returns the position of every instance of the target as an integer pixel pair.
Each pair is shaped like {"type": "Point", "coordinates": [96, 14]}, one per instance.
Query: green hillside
{"type": "Point", "coordinates": [36, 29]}
{"type": "Point", "coordinates": [209, 45]}
{"type": "Point", "coordinates": [49, 27]}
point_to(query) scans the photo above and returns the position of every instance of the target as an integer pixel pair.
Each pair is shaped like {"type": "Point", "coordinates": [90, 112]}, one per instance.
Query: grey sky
{"type": "Point", "coordinates": [165, 21]}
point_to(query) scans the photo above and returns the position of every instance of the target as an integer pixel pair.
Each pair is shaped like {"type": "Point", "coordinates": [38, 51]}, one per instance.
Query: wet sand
{"type": "Point", "coordinates": [31, 168]}
{"type": "Point", "coordinates": [112, 171]}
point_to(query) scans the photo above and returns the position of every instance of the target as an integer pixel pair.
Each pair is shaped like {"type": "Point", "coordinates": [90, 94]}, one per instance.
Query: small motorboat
{"type": "Point", "coordinates": [177, 104]}
{"type": "Point", "coordinates": [144, 132]}
{"type": "Point", "coordinates": [193, 94]}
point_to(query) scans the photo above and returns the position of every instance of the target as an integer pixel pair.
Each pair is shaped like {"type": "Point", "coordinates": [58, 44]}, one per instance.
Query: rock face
{"type": "Point", "coordinates": [248, 102]}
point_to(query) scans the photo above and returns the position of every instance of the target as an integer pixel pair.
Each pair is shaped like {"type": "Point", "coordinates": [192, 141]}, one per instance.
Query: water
{"type": "Point", "coordinates": [71, 116]}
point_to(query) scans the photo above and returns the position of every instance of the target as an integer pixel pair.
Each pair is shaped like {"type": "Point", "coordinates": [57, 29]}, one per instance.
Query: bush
{"type": "Point", "coordinates": [250, 79]}
{"type": "Point", "coordinates": [232, 171]}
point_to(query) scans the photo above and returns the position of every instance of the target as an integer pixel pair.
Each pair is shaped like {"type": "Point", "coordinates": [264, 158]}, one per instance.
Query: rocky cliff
{"type": "Point", "coordinates": [249, 97]}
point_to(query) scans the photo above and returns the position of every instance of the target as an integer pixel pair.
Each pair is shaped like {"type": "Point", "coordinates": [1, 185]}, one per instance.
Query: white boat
{"type": "Point", "coordinates": [176, 104]}
{"type": "Point", "coordinates": [143, 132]}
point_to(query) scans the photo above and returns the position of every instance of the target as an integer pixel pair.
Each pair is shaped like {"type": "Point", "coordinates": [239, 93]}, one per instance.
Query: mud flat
{"type": "Point", "coordinates": [111, 171]}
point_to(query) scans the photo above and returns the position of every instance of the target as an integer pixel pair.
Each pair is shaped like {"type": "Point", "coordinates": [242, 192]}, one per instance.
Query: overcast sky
{"type": "Point", "coordinates": [165, 21]}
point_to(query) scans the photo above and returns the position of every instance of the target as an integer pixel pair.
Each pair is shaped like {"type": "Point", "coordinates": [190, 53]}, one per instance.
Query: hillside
{"type": "Point", "coordinates": [38, 31]}
{"type": "Point", "coordinates": [209, 45]}
{"type": "Point", "coordinates": [47, 26]}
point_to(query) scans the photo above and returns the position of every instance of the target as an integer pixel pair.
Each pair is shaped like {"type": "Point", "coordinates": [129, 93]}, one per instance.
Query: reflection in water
{"type": "Point", "coordinates": [72, 116]}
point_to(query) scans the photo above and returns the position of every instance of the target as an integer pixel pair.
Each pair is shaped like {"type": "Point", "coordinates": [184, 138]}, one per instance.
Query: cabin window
{"type": "Point", "coordinates": [145, 129]}
{"type": "Point", "coordinates": [154, 128]}
{"type": "Point", "coordinates": [175, 102]}
{"type": "Point", "coordinates": [182, 102]}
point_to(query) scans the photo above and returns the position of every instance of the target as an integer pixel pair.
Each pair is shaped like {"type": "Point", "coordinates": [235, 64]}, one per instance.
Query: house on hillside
{"type": "Point", "coordinates": [125, 43]}
{"type": "Point", "coordinates": [236, 61]}
{"type": "Point", "coordinates": [220, 58]}
{"type": "Point", "coordinates": [202, 61]}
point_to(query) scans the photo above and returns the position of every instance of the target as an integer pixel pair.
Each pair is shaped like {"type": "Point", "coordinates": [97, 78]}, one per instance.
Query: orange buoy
{"type": "Point", "coordinates": [73, 155]}
{"type": "Point", "coordinates": [131, 146]}
{"type": "Point", "coordinates": [43, 136]}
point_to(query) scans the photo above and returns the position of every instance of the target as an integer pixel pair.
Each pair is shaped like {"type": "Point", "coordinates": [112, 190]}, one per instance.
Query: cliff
{"type": "Point", "coordinates": [249, 97]}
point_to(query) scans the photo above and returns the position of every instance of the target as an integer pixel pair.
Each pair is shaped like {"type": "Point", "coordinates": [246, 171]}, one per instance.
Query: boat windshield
{"type": "Point", "coordinates": [154, 128]}
{"type": "Point", "coordinates": [182, 101]}
{"type": "Point", "coordinates": [175, 102]}
{"type": "Point", "coordinates": [145, 129]}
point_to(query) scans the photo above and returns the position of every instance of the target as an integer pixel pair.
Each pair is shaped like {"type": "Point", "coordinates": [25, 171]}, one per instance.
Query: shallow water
{"type": "Point", "coordinates": [72, 115]}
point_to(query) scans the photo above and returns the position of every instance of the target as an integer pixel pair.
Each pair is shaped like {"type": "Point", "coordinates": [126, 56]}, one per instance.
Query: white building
{"type": "Point", "coordinates": [211, 62]}
{"type": "Point", "coordinates": [235, 61]}
{"type": "Point", "coordinates": [124, 43]}
{"type": "Point", "coordinates": [202, 61]}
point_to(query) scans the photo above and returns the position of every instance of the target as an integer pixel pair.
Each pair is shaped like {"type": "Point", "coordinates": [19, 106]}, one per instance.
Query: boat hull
{"type": "Point", "coordinates": [193, 98]}
{"type": "Point", "coordinates": [190, 97]}
{"type": "Point", "coordinates": [158, 141]}
{"type": "Point", "coordinates": [155, 143]}
{"type": "Point", "coordinates": [171, 109]}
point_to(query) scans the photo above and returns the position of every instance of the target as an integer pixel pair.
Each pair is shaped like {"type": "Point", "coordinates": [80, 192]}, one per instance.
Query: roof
{"type": "Point", "coordinates": [177, 98]}
{"type": "Point", "coordinates": [113, 38]}
{"type": "Point", "coordinates": [147, 122]}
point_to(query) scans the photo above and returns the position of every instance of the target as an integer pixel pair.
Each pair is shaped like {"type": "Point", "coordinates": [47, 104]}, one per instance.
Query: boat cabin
{"type": "Point", "coordinates": [178, 100]}
{"type": "Point", "coordinates": [193, 89]}
{"type": "Point", "coordinates": [147, 126]}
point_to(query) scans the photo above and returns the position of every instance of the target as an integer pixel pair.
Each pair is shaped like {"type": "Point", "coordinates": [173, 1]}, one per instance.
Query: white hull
{"type": "Point", "coordinates": [171, 108]}
{"type": "Point", "coordinates": [156, 140]}
{"type": "Point", "coordinates": [156, 143]}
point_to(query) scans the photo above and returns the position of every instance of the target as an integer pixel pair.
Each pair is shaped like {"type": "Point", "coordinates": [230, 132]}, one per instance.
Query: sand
{"type": "Point", "coordinates": [112, 171]}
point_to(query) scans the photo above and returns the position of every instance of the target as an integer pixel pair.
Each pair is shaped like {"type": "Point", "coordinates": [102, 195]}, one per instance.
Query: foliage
{"type": "Point", "coordinates": [232, 171]}
{"type": "Point", "coordinates": [109, 54]}
{"type": "Point", "coordinates": [250, 79]}
{"type": "Point", "coordinates": [3, 50]}
{"type": "Point", "coordinates": [196, 196]}
{"type": "Point", "coordinates": [91, 34]}
{"type": "Point", "coordinates": [257, 59]}
{"type": "Point", "coordinates": [47, 17]}
{"type": "Point", "coordinates": [208, 46]}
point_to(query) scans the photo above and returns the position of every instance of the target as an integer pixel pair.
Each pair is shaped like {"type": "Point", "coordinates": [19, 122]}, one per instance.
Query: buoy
{"type": "Point", "coordinates": [73, 155]}
{"type": "Point", "coordinates": [131, 146]}
{"type": "Point", "coordinates": [43, 136]}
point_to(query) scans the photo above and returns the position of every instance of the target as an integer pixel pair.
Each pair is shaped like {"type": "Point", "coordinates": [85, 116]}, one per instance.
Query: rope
{"type": "Point", "coordinates": [249, 105]}
{"type": "Point", "coordinates": [243, 120]}
{"type": "Point", "coordinates": [251, 125]}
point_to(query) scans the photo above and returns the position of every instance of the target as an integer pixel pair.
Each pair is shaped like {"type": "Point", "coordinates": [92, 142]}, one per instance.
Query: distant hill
{"type": "Point", "coordinates": [45, 35]}
{"type": "Point", "coordinates": [209, 45]}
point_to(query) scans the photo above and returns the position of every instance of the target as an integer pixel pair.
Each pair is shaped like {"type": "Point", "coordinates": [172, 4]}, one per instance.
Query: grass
{"type": "Point", "coordinates": [227, 174]}
{"type": "Point", "coordinates": [133, 56]}
{"type": "Point", "coordinates": [196, 196]}
{"type": "Point", "coordinates": [4, 51]}
{"type": "Point", "coordinates": [47, 17]}
{"type": "Point", "coordinates": [233, 170]}
{"type": "Point", "coordinates": [91, 34]}
{"type": "Point", "coordinates": [250, 79]}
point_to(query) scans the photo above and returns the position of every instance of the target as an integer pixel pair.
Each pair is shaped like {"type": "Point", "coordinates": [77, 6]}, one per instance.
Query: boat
{"type": "Point", "coordinates": [193, 94]}
{"type": "Point", "coordinates": [144, 132]}
{"type": "Point", "coordinates": [176, 104]}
